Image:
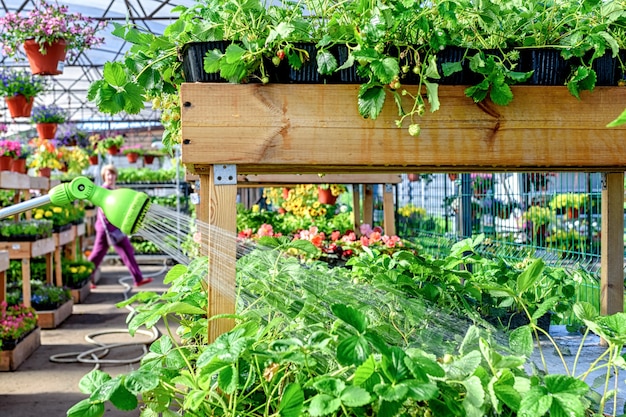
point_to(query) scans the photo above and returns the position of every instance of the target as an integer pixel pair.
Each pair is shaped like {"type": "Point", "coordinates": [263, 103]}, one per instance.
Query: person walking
{"type": "Point", "coordinates": [108, 235]}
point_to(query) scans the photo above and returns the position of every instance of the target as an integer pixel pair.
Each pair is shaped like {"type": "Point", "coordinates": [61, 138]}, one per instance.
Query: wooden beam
{"type": "Point", "coordinates": [282, 128]}
{"type": "Point", "coordinates": [389, 218]}
{"type": "Point", "coordinates": [612, 244]}
{"type": "Point", "coordinates": [217, 213]}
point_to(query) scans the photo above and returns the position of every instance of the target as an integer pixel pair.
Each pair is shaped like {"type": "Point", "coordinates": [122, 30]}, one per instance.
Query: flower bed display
{"type": "Point", "coordinates": [19, 335]}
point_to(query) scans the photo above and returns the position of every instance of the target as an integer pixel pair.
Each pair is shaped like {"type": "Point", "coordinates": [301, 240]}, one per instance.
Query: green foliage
{"type": "Point", "coordinates": [26, 228]}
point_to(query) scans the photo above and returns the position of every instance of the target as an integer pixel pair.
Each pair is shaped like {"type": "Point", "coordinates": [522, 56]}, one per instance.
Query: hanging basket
{"type": "Point", "coordinates": [132, 157]}
{"type": "Point", "coordinates": [51, 63]}
{"type": "Point", "coordinates": [19, 105]}
{"type": "Point", "coordinates": [113, 150]}
{"type": "Point", "coordinates": [46, 130]}
{"type": "Point", "coordinates": [18, 165]}
{"type": "Point", "coordinates": [148, 159]}
{"type": "Point", "coordinates": [93, 160]}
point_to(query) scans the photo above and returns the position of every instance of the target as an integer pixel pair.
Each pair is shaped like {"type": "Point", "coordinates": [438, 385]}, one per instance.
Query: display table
{"type": "Point", "coordinates": [24, 251]}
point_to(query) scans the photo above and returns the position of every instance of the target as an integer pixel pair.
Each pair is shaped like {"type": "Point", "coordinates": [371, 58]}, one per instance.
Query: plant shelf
{"type": "Point", "coordinates": [10, 360]}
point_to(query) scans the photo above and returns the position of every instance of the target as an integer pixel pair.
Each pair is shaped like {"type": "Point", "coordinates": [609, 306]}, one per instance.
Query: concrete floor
{"type": "Point", "coordinates": [40, 387]}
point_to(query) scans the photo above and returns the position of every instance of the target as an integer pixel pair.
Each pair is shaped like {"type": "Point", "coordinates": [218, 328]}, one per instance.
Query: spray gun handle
{"type": "Point", "coordinates": [80, 188]}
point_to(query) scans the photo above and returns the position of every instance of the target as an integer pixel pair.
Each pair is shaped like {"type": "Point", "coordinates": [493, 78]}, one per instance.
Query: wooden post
{"type": "Point", "coordinates": [356, 206]}
{"type": "Point", "coordinates": [26, 281]}
{"type": "Point", "coordinates": [612, 244]}
{"type": "Point", "coordinates": [389, 218]}
{"type": "Point", "coordinates": [217, 209]}
{"type": "Point", "coordinates": [368, 205]}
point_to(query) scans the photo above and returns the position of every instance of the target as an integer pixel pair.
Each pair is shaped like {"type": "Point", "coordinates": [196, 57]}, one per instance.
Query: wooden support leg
{"type": "Point", "coordinates": [49, 265]}
{"type": "Point", "coordinates": [368, 205]}
{"type": "Point", "coordinates": [3, 286]}
{"type": "Point", "coordinates": [217, 209]}
{"type": "Point", "coordinates": [389, 216]}
{"type": "Point", "coordinates": [26, 281]}
{"type": "Point", "coordinates": [356, 206]}
{"type": "Point", "coordinates": [612, 244]}
{"type": "Point", "coordinates": [57, 267]}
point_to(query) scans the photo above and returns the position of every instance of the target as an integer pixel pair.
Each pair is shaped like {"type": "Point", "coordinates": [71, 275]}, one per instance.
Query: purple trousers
{"type": "Point", "coordinates": [124, 249]}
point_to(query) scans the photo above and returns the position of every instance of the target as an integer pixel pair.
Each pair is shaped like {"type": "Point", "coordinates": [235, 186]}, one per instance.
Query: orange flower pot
{"type": "Point", "coordinates": [19, 165]}
{"type": "Point", "coordinates": [5, 163]}
{"type": "Point", "coordinates": [46, 130]}
{"type": "Point", "coordinates": [113, 150]}
{"type": "Point", "coordinates": [148, 159]}
{"type": "Point", "coordinates": [45, 172]}
{"type": "Point", "coordinates": [132, 157]}
{"type": "Point", "coordinates": [19, 105]}
{"type": "Point", "coordinates": [325, 196]}
{"type": "Point", "coordinates": [52, 63]}
{"type": "Point", "coordinates": [93, 160]}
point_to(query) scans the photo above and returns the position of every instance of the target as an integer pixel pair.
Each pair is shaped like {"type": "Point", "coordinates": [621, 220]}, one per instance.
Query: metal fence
{"type": "Point", "coordinates": [553, 215]}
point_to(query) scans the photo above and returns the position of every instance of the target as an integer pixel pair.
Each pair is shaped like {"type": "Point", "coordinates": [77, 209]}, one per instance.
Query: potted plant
{"type": "Point", "coordinates": [47, 118]}
{"type": "Point", "coordinates": [9, 150]}
{"type": "Point", "coordinates": [19, 89]}
{"type": "Point", "coordinates": [539, 218]}
{"type": "Point", "coordinates": [328, 193]}
{"type": "Point", "coordinates": [25, 230]}
{"type": "Point", "coordinates": [48, 33]}
{"type": "Point", "coordinates": [110, 144]}
{"type": "Point", "coordinates": [132, 152]}
{"type": "Point", "coordinates": [16, 322]}
{"type": "Point", "coordinates": [74, 158]}
{"type": "Point", "coordinates": [19, 164]}
{"type": "Point", "coordinates": [482, 183]}
{"type": "Point", "coordinates": [569, 203]}
{"type": "Point", "coordinates": [45, 156]}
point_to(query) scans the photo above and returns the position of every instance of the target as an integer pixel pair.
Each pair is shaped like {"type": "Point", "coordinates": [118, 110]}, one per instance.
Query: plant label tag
{"type": "Point", "coordinates": [194, 198]}
{"type": "Point", "coordinates": [60, 66]}
{"type": "Point", "coordinates": [16, 246]}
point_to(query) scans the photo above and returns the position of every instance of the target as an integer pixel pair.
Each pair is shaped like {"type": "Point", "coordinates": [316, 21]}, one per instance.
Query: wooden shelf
{"type": "Point", "coordinates": [287, 128]}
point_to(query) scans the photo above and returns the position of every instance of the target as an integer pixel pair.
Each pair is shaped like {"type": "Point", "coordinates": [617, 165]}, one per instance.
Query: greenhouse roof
{"type": "Point", "coordinates": [69, 89]}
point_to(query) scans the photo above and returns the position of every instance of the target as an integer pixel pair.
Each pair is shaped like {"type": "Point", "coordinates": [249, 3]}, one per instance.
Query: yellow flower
{"type": "Point", "coordinates": [57, 209]}
{"type": "Point", "coordinates": [48, 213]}
{"type": "Point", "coordinates": [38, 216]}
{"type": "Point", "coordinates": [73, 270]}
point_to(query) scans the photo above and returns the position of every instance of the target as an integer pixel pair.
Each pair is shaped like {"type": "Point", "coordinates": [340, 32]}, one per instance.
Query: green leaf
{"type": "Point", "coordinates": [535, 403]}
{"type": "Point", "coordinates": [620, 120]}
{"type": "Point", "coordinates": [180, 307]}
{"type": "Point", "coordinates": [420, 391]}
{"type": "Point", "coordinates": [227, 379]}
{"type": "Point", "coordinates": [92, 381]}
{"type": "Point", "coordinates": [567, 405]}
{"type": "Point", "coordinates": [329, 385]}
{"type": "Point", "coordinates": [323, 404]}
{"type": "Point", "coordinates": [530, 275]}
{"type": "Point", "coordinates": [86, 408]}
{"type": "Point", "coordinates": [565, 384]}
{"type": "Point", "coordinates": [212, 61]}
{"type": "Point", "coordinates": [508, 394]}
{"type": "Point", "coordinates": [371, 100]}
{"type": "Point", "coordinates": [449, 68]}
{"type": "Point", "coordinates": [174, 273]}
{"type": "Point", "coordinates": [385, 70]}
{"type": "Point", "coordinates": [292, 401]}
{"type": "Point", "coordinates": [353, 350]}
{"type": "Point", "coordinates": [351, 316]}
{"type": "Point", "coordinates": [355, 397]}
{"type": "Point", "coordinates": [432, 91]}
{"type": "Point", "coordinates": [194, 399]}
{"type": "Point", "coordinates": [123, 399]}
{"type": "Point", "coordinates": [364, 371]}
{"type": "Point", "coordinates": [392, 393]}
{"type": "Point", "coordinates": [521, 341]}
{"type": "Point", "coordinates": [393, 365]}
{"type": "Point", "coordinates": [141, 381]}
{"type": "Point", "coordinates": [474, 393]}
{"type": "Point", "coordinates": [326, 62]}
{"type": "Point", "coordinates": [431, 69]}
{"type": "Point", "coordinates": [134, 98]}
{"type": "Point", "coordinates": [114, 74]}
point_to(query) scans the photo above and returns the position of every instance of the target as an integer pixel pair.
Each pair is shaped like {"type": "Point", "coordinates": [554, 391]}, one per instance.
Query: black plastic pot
{"type": "Point", "coordinates": [549, 67]}
{"type": "Point", "coordinates": [193, 61]}
{"type": "Point", "coordinates": [348, 75]}
{"type": "Point", "coordinates": [308, 73]}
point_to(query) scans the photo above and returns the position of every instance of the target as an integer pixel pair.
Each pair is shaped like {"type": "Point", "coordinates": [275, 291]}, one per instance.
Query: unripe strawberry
{"type": "Point", "coordinates": [414, 129]}
{"type": "Point", "coordinates": [276, 61]}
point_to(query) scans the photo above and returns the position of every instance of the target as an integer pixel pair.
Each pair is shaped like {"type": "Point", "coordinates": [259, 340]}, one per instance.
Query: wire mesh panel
{"type": "Point", "coordinates": [552, 215]}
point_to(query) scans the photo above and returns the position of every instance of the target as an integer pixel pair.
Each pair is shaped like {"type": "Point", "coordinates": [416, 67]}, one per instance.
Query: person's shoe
{"type": "Point", "coordinates": [143, 282]}
{"type": "Point", "coordinates": [93, 286]}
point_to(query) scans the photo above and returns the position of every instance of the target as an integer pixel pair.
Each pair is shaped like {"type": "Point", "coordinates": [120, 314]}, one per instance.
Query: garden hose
{"type": "Point", "coordinates": [97, 355]}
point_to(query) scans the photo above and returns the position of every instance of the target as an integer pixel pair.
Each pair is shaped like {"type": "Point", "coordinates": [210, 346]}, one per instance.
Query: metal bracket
{"type": "Point", "coordinates": [388, 188]}
{"type": "Point", "coordinates": [225, 174]}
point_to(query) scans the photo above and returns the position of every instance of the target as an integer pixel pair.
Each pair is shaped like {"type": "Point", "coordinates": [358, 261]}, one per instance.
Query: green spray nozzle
{"type": "Point", "coordinates": [123, 207]}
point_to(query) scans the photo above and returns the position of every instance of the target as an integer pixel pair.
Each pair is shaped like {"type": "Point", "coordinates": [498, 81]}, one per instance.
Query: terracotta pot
{"type": "Point", "coordinates": [93, 160]}
{"type": "Point", "coordinates": [51, 63]}
{"type": "Point", "coordinates": [572, 212]}
{"type": "Point", "coordinates": [19, 105]}
{"type": "Point", "coordinates": [132, 157]}
{"type": "Point", "coordinates": [45, 172]}
{"type": "Point", "coordinates": [413, 177]}
{"type": "Point", "coordinates": [5, 163]}
{"type": "Point", "coordinates": [148, 159]}
{"type": "Point", "coordinates": [113, 150]}
{"type": "Point", "coordinates": [46, 130]}
{"type": "Point", "coordinates": [325, 196]}
{"type": "Point", "coordinates": [19, 165]}
{"type": "Point", "coordinates": [453, 176]}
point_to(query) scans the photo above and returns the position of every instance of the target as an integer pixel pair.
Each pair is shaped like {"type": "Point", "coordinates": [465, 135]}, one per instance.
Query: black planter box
{"type": "Point", "coordinates": [308, 73]}
{"type": "Point", "coordinates": [193, 61]}
{"type": "Point", "coordinates": [549, 67]}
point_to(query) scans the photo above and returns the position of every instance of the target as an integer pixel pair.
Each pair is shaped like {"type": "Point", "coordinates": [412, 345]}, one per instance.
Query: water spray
{"type": "Point", "coordinates": [123, 207]}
